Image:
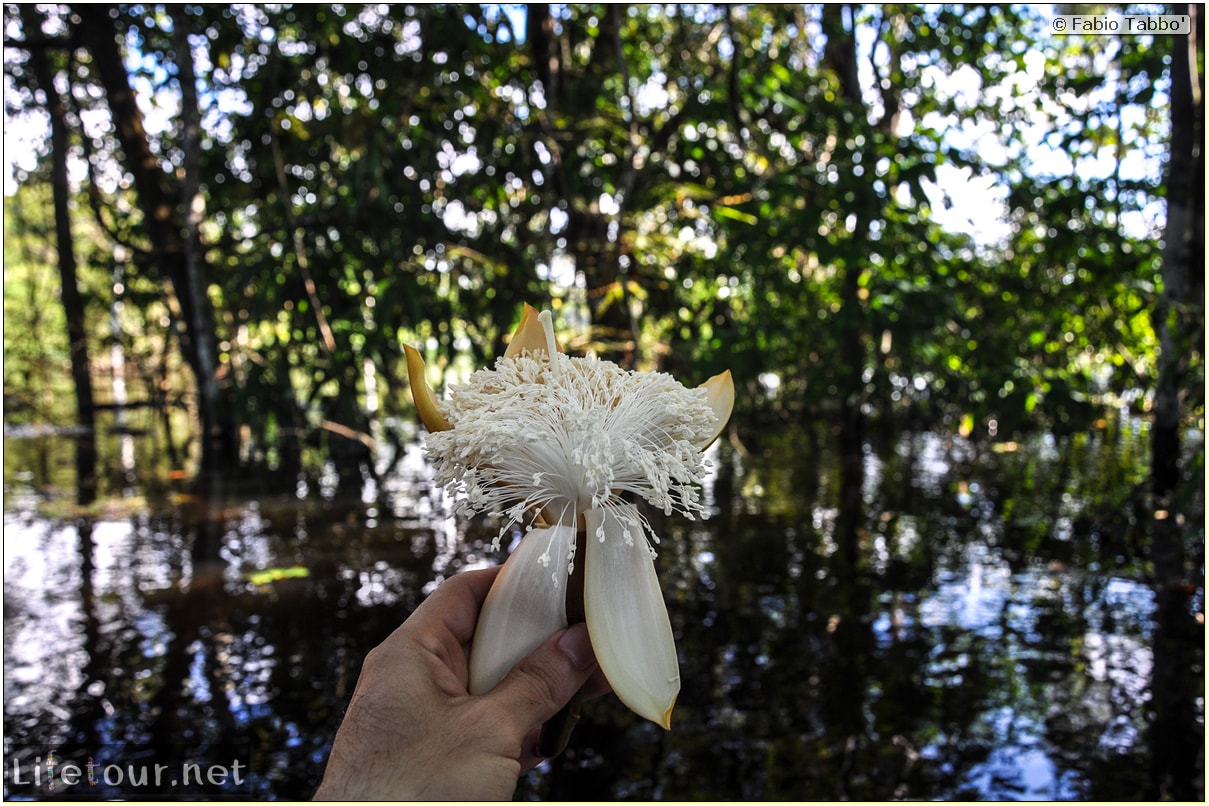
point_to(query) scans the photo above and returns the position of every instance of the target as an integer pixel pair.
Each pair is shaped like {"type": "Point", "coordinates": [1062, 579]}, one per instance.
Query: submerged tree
{"type": "Point", "coordinates": [174, 249]}
{"type": "Point", "coordinates": [69, 287]}
{"type": "Point", "coordinates": [1177, 735]}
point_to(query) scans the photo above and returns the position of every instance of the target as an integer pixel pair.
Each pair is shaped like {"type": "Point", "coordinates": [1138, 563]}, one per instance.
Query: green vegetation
{"type": "Point", "coordinates": [694, 187]}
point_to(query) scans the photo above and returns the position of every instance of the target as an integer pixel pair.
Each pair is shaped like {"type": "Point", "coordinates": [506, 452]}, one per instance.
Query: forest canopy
{"type": "Point", "coordinates": [939, 215]}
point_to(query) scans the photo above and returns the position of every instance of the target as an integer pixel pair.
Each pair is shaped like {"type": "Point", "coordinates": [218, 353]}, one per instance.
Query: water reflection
{"type": "Point", "coordinates": [978, 629]}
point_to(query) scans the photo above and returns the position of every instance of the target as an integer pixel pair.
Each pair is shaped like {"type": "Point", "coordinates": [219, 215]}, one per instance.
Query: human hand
{"type": "Point", "coordinates": [413, 731]}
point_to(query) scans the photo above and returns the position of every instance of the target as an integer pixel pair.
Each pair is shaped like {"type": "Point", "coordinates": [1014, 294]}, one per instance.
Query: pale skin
{"type": "Point", "coordinates": [414, 732]}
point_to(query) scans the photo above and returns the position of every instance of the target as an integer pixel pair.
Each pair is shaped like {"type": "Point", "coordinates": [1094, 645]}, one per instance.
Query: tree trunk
{"type": "Point", "coordinates": [595, 250]}
{"type": "Point", "coordinates": [177, 252]}
{"type": "Point", "coordinates": [1176, 743]}
{"type": "Point", "coordinates": [841, 57]}
{"type": "Point", "coordinates": [73, 303]}
{"type": "Point", "coordinates": [201, 322]}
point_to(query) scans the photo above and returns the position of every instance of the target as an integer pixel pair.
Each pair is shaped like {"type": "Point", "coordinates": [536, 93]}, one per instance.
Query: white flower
{"type": "Point", "coordinates": [552, 443]}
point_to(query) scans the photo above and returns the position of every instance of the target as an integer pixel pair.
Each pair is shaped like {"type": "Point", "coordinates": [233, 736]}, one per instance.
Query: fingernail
{"type": "Point", "coordinates": [577, 646]}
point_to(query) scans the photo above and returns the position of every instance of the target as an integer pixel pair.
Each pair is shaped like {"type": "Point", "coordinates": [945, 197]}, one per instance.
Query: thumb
{"type": "Point", "coordinates": [546, 680]}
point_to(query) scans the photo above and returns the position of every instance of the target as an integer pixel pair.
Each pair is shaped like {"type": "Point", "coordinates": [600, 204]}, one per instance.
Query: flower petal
{"type": "Point", "coordinates": [627, 619]}
{"type": "Point", "coordinates": [530, 335]}
{"type": "Point", "coordinates": [526, 605]}
{"type": "Point", "coordinates": [426, 401]}
{"type": "Point", "coordinates": [721, 389]}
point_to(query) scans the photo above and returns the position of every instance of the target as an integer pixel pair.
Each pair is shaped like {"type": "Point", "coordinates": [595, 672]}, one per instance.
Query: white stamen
{"type": "Point", "coordinates": [556, 435]}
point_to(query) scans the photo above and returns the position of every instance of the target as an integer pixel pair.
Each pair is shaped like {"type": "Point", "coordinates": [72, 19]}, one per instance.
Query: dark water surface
{"type": "Point", "coordinates": [989, 636]}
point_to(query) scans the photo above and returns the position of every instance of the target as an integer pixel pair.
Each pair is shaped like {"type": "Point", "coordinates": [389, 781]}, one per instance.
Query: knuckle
{"type": "Point", "coordinates": [543, 684]}
{"type": "Point", "coordinates": [376, 661]}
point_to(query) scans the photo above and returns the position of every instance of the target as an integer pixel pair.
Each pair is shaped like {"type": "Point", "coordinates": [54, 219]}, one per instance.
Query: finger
{"type": "Point", "coordinates": [597, 686]}
{"type": "Point", "coordinates": [454, 606]}
{"type": "Point", "coordinates": [530, 758]}
{"type": "Point", "coordinates": [546, 680]}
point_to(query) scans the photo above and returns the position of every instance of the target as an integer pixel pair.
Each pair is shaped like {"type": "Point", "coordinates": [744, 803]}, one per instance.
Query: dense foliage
{"type": "Point", "coordinates": [772, 188]}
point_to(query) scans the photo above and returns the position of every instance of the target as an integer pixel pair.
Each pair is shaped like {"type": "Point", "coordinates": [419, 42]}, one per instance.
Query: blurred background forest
{"type": "Point", "coordinates": [222, 222]}
{"type": "Point", "coordinates": [937, 216]}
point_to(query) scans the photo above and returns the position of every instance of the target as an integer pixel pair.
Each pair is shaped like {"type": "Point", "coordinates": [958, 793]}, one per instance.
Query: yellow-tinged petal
{"type": "Point", "coordinates": [721, 389]}
{"type": "Point", "coordinates": [526, 605]}
{"type": "Point", "coordinates": [530, 335]}
{"type": "Point", "coordinates": [627, 619]}
{"type": "Point", "coordinates": [426, 401]}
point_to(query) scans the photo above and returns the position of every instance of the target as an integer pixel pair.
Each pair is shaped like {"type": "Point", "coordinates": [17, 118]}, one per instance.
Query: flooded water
{"type": "Point", "coordinates": [988, 636]}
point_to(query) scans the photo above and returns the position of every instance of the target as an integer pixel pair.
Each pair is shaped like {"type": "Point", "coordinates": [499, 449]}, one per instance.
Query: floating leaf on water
{"type": "Point", "coordinates": [271, 575]}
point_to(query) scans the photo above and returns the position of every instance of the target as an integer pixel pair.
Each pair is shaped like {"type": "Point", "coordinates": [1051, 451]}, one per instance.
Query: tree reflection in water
{"type": "Point", "coordinates": [984, 631]}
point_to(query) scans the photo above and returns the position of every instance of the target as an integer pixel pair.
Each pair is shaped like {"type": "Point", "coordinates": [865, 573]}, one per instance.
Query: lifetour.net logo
{"type": "Point", "coordinates": [106, 773]}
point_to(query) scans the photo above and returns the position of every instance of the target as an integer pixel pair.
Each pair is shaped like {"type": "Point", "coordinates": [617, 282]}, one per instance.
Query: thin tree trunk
{"type": "Point", "coordinates": [73, 302]}
{"type": "Point", "coordinates": [1176, 743]}
{"type": "Point", "coordinates": [841, 56]}
{"type": "Point", "coordinates": [193, 204]}
{"type": "Point", "coordinates": [587, 235]}
{"type": "Point", "coordinates": [177, 254]}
